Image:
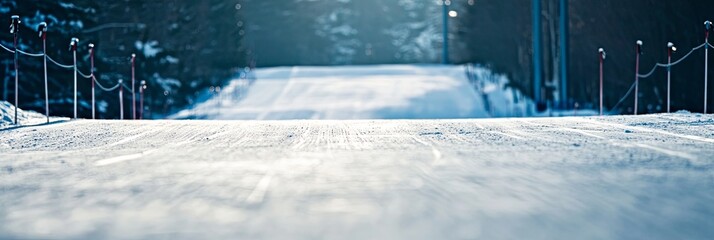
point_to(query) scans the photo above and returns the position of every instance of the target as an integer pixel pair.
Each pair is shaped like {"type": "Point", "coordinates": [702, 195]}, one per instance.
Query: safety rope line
{"type": "Point", "coordinates": [103, 87]}
{"type": "Point", "coordinates": [662, 65]}
{"type": "Point", "coordinates": [710, 45]}
{"type": "Point", "coordinates": [625, 97]}
{"type": "Point", "coordinates": [7, 49]}
{"type": "Point", "coordinates": [84, 75]}
{"type": "Point", "coordinates": [127, 88]}
{"type": "Point", "coordinates": [22, 52]}
{"type": "Point", "coordinates": [59, 64]}
{"type": "Point", "coordinates": [30, 54]}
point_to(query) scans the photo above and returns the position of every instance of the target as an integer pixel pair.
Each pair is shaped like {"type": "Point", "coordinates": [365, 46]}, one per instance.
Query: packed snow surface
{"type": "Point", "coordinates": [347, 92]}
{"type": "Point", "coordinates": [633, 177]}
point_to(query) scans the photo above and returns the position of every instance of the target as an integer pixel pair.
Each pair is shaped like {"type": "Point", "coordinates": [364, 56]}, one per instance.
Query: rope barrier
{"type": "Point", "coordinates": [625, 97]}
{"type": "Point", "coordinates": [662, 65]}
{"type": "Point", "coordinates": [84, 75]}
{"type": "Point", "coordinates": [710, 45]}
{"type": "Point", "coordinates": [650, 73]}
{"type": "Point", "coordinates": [128, 89]}
{"type": "Point", "coordinates": [7, 49]}
{"type": "Point", "coordinates": [31, 54]}
{"type": "Point", "coordinates": [103, 87]}
{"type": "Point", "coordinates": [686, 56]}
{"type": "Point", "coordinates": [59, 64]}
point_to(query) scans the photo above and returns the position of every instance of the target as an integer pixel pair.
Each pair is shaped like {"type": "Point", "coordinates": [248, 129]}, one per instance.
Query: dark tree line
{"type": "Point", "coordinates": [498, 34]}
{"type": "Point", "coordinates": [182, 47]}
{"type": "Point", "coordinates": [185, 46]}
{"type": "Point", "coordinates": [303, 32]}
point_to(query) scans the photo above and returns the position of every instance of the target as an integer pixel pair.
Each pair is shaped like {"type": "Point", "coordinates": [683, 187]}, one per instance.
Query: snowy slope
{"type": "Point", "coordinates": [7, 116]}
{"type": "Point", "coordinates": [643, 177]}
{"type": "Point", "coordinates": [352, 92]}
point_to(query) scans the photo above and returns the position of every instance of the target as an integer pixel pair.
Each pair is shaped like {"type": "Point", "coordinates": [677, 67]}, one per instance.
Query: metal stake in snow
{"type": "Point", "coordinates": [141, 99]}
{"type": "Point", "coordinates": [670, 49]}
{"type": "Point", "coordinates": [603, 55]}
{"type": "Point", "coordinates": [637, 73]}
{"type": "Point", "coordinates": [537, 52]}
{"type": "Point", "coordinates": [121, 100]}
{"type": "Point", "coordinates": [708, 26]}
{"type": "Point", "coordinates": [42, 30]}
{"type": "Point", "coordinates": [445, 12]}
{"type": "Point", "coordinates": [73, 47]}
{"type": "Point", "coordinates": [91, 70]}
{"type": "Point", "coordinates": [133, 92]}
{"type": "Point", "coordinates": [14, 27]}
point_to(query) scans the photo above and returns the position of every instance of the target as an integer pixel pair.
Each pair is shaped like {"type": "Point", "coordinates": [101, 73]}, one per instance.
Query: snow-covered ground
{"type": "Point", "coordinates": [364, 92]}
{"type": "Point", "coordinates": [629, 177]}
{"type": "Point", "coordinates": [24, 118]}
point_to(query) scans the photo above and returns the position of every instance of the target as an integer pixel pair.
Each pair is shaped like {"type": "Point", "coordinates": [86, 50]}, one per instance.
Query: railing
{"type": "Point", "coordinates": [668, 66]}
{"type": "Point", "coordinates": [42, 30]}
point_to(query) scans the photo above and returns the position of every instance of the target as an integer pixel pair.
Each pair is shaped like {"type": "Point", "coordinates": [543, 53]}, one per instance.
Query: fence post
{"type": "Point", "coordinates": [141, 99]}
{"type": "Point", "coordinates": [602, 56]}
{"type": "Point", "coordinates": [670, 49]}
{"type": "Point", "coordinates": [121, 100]}
{"type": "Point", "coordinates": [133, 91]}
{"type": "Point", "coordinates": [708, 26]}
{"type": "Point", "coordinates": [73, 48]}
{"type": "Point", "coordinates": [14, 27]}
{"type": "Point", "coordinates": [91, 73]}
{"type": "Point", "coordinates": [445, 31]}
{"type": "Point", "coordinates": [42, 29]}
{"type": "Point", "coordinates": [637, 73]}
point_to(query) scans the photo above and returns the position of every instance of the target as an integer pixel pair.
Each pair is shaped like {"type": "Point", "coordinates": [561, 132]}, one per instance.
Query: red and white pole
{"type": "Point", "coordinates": [602, 60]}
{"type": "Point", "coordinates": [73, 48]}
{"type": "Point", "coordinates": [670, 49]}
{"type": "Point", "coordinates": [91, 70]}
{"type": "Point", "coordinates": [708, 26]}
{"type": "Point", "coordinates": [637, 74]}
{"type": "Point", "coordinates": [141, 99]}
{"type": "Point", "coordinates": [121, 100]}
{"type": "Point", "coordinates": [42, 29]}
{"type": "Point", "coordinates": [14, 27]}
{"type": "Point", "coordinates": [133, 92]}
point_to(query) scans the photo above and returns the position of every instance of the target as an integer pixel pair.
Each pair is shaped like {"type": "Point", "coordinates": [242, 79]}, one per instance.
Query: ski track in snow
{"type": "Point", "coordinates": [349, 92]}
{"type": "Point", "coordinates": [642, 177]}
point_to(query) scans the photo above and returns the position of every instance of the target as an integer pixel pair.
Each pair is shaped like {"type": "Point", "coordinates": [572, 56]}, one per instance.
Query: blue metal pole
{"type": "Point", "coordinates": [445, 13]}
{"type": "Point", "coordinates": [537, 51]}
{"type": "Point", "coordinates": [564, 31]}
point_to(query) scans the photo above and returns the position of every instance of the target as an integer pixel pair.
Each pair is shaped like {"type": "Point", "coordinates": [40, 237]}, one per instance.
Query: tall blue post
{"type": "Point", "coordinates": [564, 31]}
{"type": "Point", "coordinates": [537, 51]}
{"type": "Point", "coordinates": [445, 10]}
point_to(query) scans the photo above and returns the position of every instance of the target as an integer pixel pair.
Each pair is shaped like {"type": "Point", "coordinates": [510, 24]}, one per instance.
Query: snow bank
{"type": "Point", "coordinates": [7, 116]}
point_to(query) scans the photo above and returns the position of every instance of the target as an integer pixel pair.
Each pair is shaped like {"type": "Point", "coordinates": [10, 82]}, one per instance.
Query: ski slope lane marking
{"type": "Point", "coordinates": [650, 130]}
{"type": "Point", "coordinates": [128, 139]}
{"type": "Point", "coordinates": [527, 122]}
{"type": "Point", "coordinates": [687, 156]}
{"type": "Point", "coordinates": [435, 152]}
{"type": "Point", "coordinates": [691, 158]}
{"type": "Point", "coordinates": [581, 132]}
{"type": "Point", "coordinates": [124, 158]}
{"type": "Point", "coordinates": [258, 194]}
{"type": "Point", "coordinates": [508, 135]}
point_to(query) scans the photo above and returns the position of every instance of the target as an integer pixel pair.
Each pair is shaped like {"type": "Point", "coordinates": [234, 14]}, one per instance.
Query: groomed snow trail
{"type": "Point", "coordinates": [644, 177]}
{"type": "Point", "coordinates": [347, 93]}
